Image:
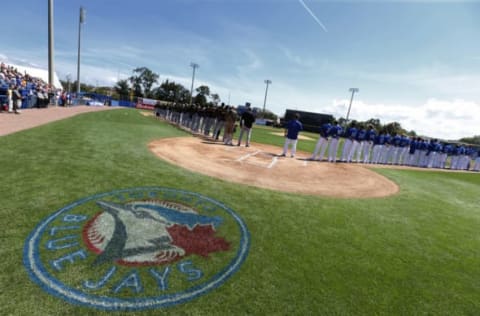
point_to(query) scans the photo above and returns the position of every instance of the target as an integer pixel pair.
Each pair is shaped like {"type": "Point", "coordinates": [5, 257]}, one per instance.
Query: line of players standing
{"type": "Point", "coordinates": [201, 119]}
{"type": "Point", "coordinates": [367, 146]}
{"type": "Point", "coordinates": [360, 145]}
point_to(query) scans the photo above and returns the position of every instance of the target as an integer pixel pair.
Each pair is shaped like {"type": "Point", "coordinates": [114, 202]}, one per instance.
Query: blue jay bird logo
{"type": "Point", "coordinates": [140, 232]}
{"type": "Point", "coordinates": [136, 249]}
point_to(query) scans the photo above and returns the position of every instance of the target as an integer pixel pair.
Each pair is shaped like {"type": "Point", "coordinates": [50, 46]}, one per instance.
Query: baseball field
{"type": "Point", "coordinates": [297, 249]}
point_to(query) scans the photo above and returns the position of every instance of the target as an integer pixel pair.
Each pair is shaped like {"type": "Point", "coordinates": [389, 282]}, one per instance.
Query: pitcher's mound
{"type": "Point", "coordinates": [259, 165]}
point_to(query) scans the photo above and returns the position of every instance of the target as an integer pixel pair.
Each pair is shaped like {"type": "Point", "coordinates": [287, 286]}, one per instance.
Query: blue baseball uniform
{"type": "Point", "coordinates": [293, 128]}
{"type": "Point", "coordinates": [322, 142]}
{"type": "Point", "coordinates": [334, 134]}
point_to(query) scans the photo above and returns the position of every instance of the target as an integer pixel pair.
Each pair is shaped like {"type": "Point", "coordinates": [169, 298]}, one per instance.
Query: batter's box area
{"type": "Point", "coordinates": [259, 158]}
{"type": "Point", "coordinates": [259, 165]}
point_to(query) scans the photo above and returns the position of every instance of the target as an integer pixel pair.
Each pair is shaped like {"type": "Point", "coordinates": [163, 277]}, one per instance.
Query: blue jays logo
{"type": "Point", "coordinates": [136, 248]}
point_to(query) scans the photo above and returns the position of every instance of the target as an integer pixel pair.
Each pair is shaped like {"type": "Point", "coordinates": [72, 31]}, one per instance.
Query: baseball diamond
{"type": "Point", "coordinates": [118, 210]}
{"type": "Point", "coordinates": [224, 158]}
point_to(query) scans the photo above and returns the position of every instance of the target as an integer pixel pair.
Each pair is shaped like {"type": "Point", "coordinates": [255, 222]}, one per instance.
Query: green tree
{"type": "Point", "coordinates": [142, 82]}
{"type": "Point", "coordinates": [268, 115]}
{"type": "Point", "coordinates": [342, 121]}
{"type": "Point", "coordinates": [202, 93]}
{"type": "Point", "coordinates": [171, 91]}
{"type": "Point", "coordinates": [200, 99]}
{"type": "Point", "coordinates": [104, 90]}
{"type": "Point", "coordinates": [375, 123]}
{"type": "Point", "coordinates": [122, 89]}
{"type": "Point", "coordinates": [203, 90]}
{"type": "Point", "coordinates": [394, 128]}
{"type": "Point", "coordinates": [475, 140]}
{"type": "Point", "coordinates": [412, 133]}
{"type": "Point", "coordinates": [215, 98]}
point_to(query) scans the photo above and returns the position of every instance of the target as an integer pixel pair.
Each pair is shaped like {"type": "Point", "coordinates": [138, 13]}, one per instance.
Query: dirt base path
{"type": "Point", "coordinates": [259, 165]}
{"type": "Point", "coordinates": [11, 123]}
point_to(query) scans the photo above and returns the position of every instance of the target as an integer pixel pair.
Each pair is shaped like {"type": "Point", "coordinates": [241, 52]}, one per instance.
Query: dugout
{"type": "Point", "coordinates": [311, 121]}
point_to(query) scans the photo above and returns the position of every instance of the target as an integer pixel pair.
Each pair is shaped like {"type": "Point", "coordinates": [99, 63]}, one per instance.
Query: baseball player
{"type": "Point", "coordinates": [291, 135]}
{"type": "Point", "coordinates": [361, 139]}
{"type": "Point", "coordinates": [476, 166]}
{"type": "Point", "coordinates": [378, 147]}
{"type": "Point", "coordinates": [385, 149]}
{"type": "Point", "coordinates": [404, 147]}
{"type": "Point", "coordinates": [411, 151]}
{"type": "Point", "coordinates": [367, 147]}
{"type": "Point", "coordinates": [322, 142]}
{"type": "Point", "coordinates": [246, 123]}
{"type": "Point", "coordinates": [422, 159]}
{"type": "Point", "coordinates": [395, 149]}
{"type": "Point", "coordinates": [350, 135]}
{"type": "Point", "coordinates": [230, 117]}
{"type": "Point", "coordinates": [446, 151]}
{"type": "Point", "coordinates": [220, 122]}
{"type": "Point", "coordinates": [333, 136]}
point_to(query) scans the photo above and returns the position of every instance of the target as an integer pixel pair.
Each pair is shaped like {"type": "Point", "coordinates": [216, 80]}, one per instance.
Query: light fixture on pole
{"type": "Point", "coordinates": [194, 66]}
{"type": "Point", "coordinates": [69, 79]}
{"type": "Point", "coordinates": [267, 82]}
{"type": "Point", "coordinates": [353, 91]}
{"type": "Point", "coordinates": [81, 21]}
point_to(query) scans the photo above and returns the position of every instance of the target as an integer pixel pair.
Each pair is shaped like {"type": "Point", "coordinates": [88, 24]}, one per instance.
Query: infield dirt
{"type": "Point", "coordinates": [259, 165]}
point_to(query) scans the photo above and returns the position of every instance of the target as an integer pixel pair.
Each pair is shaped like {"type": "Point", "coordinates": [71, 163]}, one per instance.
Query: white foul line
{"type": "Point", "coordinates": [248, 155]}
{"type": "Point", "coordinates": [274, 161]}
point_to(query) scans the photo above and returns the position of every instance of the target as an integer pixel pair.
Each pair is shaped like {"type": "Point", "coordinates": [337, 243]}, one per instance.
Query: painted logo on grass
{"type": "Point", "coordinates": [136, 248]}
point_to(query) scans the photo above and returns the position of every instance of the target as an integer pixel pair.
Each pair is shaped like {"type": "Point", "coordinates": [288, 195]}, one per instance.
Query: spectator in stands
{"type": "Point", "coordinates": [28, 86]}
{"type": "Point", "coordinates": [17, 99]}
{"type": "Point", "coordinates": [10, 99]}
{"type": "Point", "coordinates": [42, 99]}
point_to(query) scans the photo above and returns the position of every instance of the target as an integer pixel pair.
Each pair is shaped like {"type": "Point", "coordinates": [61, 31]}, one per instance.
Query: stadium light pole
{"type": "Point", "coordinates": [81, 21]}
{"type": "Point", "coordinates": [69, 78]}
{"type": "Point", "coordinates": [51, 66]}
{"type": "Point", "coordinates": [353, 91]}
{"type": "Point", "coordinates": [194, 66]}
{"type": "Point", "coordinates": [267, 82]}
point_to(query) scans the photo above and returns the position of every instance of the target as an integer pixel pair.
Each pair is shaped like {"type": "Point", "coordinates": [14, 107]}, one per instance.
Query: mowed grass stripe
{"type": "Point", "coordinates": [413, 253]}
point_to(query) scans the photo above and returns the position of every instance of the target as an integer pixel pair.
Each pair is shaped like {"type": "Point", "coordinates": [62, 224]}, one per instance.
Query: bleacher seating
{"type": "Point", "coordinates": [34, 90]}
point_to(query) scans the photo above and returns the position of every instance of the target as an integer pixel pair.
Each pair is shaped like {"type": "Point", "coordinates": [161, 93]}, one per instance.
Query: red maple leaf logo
{"type": "Point", "coordinates": [200, 241]}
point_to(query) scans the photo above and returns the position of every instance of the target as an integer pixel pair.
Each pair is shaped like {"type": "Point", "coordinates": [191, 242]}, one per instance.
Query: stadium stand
{"type": "Point", "coordinates": [35, 91]}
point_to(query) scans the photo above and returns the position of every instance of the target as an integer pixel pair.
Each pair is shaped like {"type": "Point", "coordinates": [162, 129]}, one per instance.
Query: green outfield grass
{"type": "Point", "coordinates": [417, 252]}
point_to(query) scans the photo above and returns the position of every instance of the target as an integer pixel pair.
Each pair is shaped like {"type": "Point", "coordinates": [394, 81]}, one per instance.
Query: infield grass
{"type": "Point", "coordinates": [417, 252]}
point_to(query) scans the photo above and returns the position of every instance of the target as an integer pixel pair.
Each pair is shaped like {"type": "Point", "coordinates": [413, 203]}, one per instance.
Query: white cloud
{"type": "Point", "coordinates": [440, 118]}
{"type": "Point", "coordinates": [435, 79]}
{"type": "Point", "coordinates": [298, 60]}
{"type": "Point", "coordinates": [435, 118]}
{"type": "Point", "coordinates": [251, 63]}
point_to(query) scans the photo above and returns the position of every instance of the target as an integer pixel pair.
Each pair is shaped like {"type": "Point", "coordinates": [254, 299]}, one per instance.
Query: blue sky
{"type": "Point", "coordinates": [414, 62]}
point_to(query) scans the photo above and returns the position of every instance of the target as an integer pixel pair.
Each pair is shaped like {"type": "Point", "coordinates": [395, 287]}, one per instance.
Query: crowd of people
{"type": "Point", "coordinates": [360, 145]}
{"type": "Point", "coordinates": [20, 90]}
